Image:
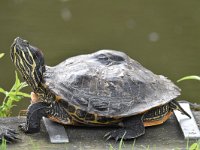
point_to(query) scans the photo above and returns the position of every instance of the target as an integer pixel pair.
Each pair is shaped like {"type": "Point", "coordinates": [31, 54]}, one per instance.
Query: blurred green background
{"type": "Point", "coordinates": [164, 36]}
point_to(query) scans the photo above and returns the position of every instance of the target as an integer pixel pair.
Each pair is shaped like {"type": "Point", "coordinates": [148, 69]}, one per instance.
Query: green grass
{"type": "Point", "coordinates": [193, 146]}
{"type": "Point", "coordinates": [3, 145]}
{"type": "Point", "coordinates": [193, 77]}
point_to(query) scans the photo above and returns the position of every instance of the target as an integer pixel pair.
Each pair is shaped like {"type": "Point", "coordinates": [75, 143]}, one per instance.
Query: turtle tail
{"type": "Point", "coordinates": [174, 105]}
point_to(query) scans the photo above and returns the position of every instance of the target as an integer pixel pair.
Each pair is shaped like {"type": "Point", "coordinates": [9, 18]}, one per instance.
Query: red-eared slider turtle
{"type": "Point", "coordinates": [105, 88]}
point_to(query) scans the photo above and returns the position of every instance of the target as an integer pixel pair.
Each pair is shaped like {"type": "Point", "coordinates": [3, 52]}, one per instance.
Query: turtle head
{"type": "Point", "coordinates": [29, 61]}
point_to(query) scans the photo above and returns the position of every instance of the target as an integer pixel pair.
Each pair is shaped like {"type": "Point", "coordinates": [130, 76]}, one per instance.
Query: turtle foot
{"type": "Point", "coordinates": [24, 128]}
{"type": "Point", "coordinates": [115, 134]}
{"type": "Point", "coordinates": [122, 133]}
{"type": "Point", "coordinates": [10, 135]}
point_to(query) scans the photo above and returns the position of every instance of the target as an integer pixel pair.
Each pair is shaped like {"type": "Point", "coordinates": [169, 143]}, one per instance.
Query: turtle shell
{"type": "Point", "coordinates": [109, 83]}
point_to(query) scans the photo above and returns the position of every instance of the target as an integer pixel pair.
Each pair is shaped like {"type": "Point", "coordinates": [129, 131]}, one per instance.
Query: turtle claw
{"type": "Point", "coordinates": [12, 131]}
{"type": "Point", "coordinates": [116, 139]}
{"type": "Point", "coordinates": [117, 134]}
{"type": "Point", "coordinates": [23, 127]}
{"type": "Point", "coordinates": [9, 135]}
{"type": "Point", "coordinates": [108, 138]}
{"type": "Point", "coordinates": [108, 133]}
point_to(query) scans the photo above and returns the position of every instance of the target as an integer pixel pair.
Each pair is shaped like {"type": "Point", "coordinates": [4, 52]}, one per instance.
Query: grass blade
{"type": "Point", "coordinates": [121, 143]}
{"type": "Point", "coordinates": [111, 147]}
{"type": "Point", "coordinates": [3, 145]}
{"type": "Point", "coordinates": [133, 145]}
{"type": "Point", "coordinates": [194, 146]}
{"type": "Point", "coordinates": [193, 77]}
{"type": "Point", "coordinates": [2, 54]}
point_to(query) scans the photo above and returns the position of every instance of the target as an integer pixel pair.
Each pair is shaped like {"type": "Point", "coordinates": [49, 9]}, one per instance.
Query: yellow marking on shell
{"type": "Point", "coordinates": [157, 117]}
{"type": "Point", "coordinates": [157, 122]}
{"type": "Point", "coordinates": [65, 122]}
{"type": "Point", "coordinates": [154, 118]}
{"type": "Point", "coordinates": [95, 121]}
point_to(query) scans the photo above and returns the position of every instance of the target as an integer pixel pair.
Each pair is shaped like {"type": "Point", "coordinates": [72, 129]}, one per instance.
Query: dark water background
{"type": "Point", "coordinates": [164, 36]}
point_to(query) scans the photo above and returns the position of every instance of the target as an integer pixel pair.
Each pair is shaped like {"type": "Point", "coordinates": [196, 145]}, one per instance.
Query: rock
{"type": "Point", "coordinates": [165, 136]}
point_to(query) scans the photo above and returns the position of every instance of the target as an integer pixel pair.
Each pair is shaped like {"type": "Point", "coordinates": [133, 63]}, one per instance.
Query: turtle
{"type": "Point", "coordinates": [104, 88]}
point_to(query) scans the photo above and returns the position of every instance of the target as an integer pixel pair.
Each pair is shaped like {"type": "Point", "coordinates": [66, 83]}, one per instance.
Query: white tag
{"type": "Point", "coordinates": [188, 126]}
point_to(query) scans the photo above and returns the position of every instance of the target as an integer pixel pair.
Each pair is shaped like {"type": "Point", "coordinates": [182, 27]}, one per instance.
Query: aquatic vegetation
{"type": "Point", "coordinates": [12, 96]}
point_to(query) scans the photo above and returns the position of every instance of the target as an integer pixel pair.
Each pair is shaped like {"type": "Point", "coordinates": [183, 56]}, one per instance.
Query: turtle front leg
{"type": "Point", "coordinates": [35, 113]}
{"type": "Point", "coordinates": [38, 109]}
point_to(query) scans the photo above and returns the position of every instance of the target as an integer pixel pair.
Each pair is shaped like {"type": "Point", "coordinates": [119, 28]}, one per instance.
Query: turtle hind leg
{"type": "Point", "coordinates": [174, 105]}
{"type": "Point", "coordinates": [131, 128]}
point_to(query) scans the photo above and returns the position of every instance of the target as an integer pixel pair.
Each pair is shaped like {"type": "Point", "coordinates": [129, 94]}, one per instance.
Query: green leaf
{"type": "Point", "coordinates": [2, 91]}
{"type": "Point", "coordinates": [194, 146]}
{"type": "Point", "coordinates": [19, 94]}
{"type": "Point", "coordinates": [2, 54]}
{"type": "Point", "coordinates": [17, 81]}
{"type": "Point", "coordinates": [14, 95]}
{"type": "Point", "coordinates": [193, 77]}
{"type": "Point", "coordinates": [22, 85]}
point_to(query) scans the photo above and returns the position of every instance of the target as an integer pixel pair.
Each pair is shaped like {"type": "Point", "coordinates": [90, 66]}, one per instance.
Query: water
{"type": "Point", "coordinates": [162, 35]}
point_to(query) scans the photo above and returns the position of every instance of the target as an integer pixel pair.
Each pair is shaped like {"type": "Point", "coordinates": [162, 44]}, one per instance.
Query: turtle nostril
{"type": "Point", "coordinates": [17, 39]}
